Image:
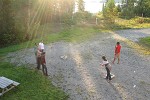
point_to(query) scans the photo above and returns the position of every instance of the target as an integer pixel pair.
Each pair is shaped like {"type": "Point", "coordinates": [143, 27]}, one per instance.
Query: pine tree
{"type": "Point", "coordinates": [128, 9]}
{"type": "Point", "coordinates": [110, 11]}
{"type": "Point", "coordinates": [80, 5]}
{"type": "Point", "coordinates": [143, 8]}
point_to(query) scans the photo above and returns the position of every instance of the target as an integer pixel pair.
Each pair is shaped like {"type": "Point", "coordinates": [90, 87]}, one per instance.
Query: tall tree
{"type": "Point", "coordinates": [80, 5]}
{"type": "Point", "coordinates": [103, 9]}
{"type": "Point", "coordinates": [20, 19]}
{"type": "Point", "coordinates": [61, 9]}
{"type": "Point", "coordinates": [7, 31]}
{"type": "Point", "coordinates": [143, 8]}
{"type": "Point", "coordinates": [110, 10]}
{"type": "Point", "coordinates": [128, 8]}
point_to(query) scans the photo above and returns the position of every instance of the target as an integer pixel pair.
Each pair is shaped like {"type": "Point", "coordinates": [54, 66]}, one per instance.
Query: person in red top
{"type": "Point", "coordinates": [117, 52]}
{"type": "Point", "coordinates": [43, 62]}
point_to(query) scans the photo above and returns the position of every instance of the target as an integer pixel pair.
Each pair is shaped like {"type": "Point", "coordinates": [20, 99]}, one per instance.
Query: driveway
{"type": "Point", "coordinates": [75, 67]}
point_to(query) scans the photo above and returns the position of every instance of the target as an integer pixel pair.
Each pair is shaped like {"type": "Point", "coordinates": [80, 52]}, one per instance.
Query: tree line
{"type": "Point", "coordinates": [127, 9]}
{"type": "Point", "coordinates": [20, 19]}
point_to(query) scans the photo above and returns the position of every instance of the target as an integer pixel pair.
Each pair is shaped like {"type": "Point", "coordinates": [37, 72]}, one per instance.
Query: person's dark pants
{"type": "Point", "coordinates": [42, 50]}
{"type": "Point", "coordinates": [108, 74]}
{"type": "Point", "coordinates": [38, 62]}
{"type": "Point", "coordinates": [44, 69]}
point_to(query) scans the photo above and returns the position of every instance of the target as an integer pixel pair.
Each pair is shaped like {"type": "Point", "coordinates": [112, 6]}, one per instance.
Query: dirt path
{"type": "Point", "coordinates": [75, 67]}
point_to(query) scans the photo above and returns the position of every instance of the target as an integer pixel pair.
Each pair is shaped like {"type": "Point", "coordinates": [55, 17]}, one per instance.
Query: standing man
{"type": "Point", "coordinates": [117, 52]}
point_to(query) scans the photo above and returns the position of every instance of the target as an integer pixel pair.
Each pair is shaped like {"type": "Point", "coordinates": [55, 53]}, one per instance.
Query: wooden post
{"type": "Point", "coordinates": [96, 21]}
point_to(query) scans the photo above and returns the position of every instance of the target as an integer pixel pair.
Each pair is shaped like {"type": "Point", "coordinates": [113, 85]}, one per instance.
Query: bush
{"type": "Point", "coordinates": [82, 16]}
{"type": "Point", "coordinates": [141, 20]}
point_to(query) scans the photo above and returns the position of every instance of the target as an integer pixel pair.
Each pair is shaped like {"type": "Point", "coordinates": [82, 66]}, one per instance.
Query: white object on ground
{"type": "Point", "coordinates": [134, 86]}
{"type": "Point", "coordinates": [112, 75]}
{"type": "Point", "coordinates": [63, 57]}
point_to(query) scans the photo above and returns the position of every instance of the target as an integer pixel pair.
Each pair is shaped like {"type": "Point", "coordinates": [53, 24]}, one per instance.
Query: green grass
{"type": "Point", "coordinates": [74, 34]}
{"type": "Point", "coordinates": [145, 42]}
{"type": "Point", "coordinates": [78, 34]}
{"type": "Point", "coordinates": [58, 32]}
{"type": "Point", "coordinates": [119, 24]}
{"type": "Point", "coordinates": [33, 85]}
{"type": "Point", "coordinates": [132, 23]}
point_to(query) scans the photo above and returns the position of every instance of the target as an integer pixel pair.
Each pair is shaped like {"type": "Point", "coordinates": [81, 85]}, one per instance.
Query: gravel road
{"type": "Point", "coordinates": [74, 67]}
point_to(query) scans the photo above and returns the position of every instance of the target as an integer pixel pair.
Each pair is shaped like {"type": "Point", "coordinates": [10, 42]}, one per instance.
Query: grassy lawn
{"type": "Point", "coordinates": [33, 85]}
{"type": "Point", "coordinates": [75, 34]}
{"type": "Point", "coordinates": [145, 42]}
